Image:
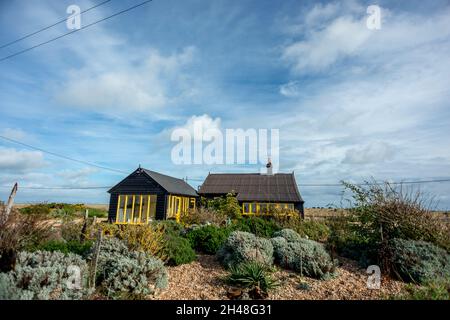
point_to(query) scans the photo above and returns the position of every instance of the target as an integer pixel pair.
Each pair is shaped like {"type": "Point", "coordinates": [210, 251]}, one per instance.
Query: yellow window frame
{"type": "Point", "coordinates": [125, 210]}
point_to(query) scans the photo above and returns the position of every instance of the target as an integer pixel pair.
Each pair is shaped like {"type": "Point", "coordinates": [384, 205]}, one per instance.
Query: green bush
{"type": "Point", "coordinates": [228, 205]}
{"type": "Point", "coordinates": [245, 247]}
{"type": "Point", "coordinates": [44, 275]}
{"type": "Point", "coordinates": [39, 209]}
{"type": "Point", "coordinates": [302, 255]}
{"type": "Point", "coordinates": [419, 261]}
{"type": "Point", "coordinates": [251, 275]}
{"type": "Point", "coordinates": [178, 250]}
{"type": "Point", "coordinates": [99, 213]}
{"type": "Point", "coordinates": [65, 247]}
{"type": "Point", "coordinates": [433, 290]}
{"type": "Point", "coordinates": [256, 225]}
{"type": "Point", "coordinates": [383, 212]}
{"type": "Point", "coordinates": [208, 239]}
{"type": "Point", "coordinates": [348, 242]}
{"type": "Point", "coordinates": [313, 230]}
{"type": "Point", "coordinates": [170, 226]}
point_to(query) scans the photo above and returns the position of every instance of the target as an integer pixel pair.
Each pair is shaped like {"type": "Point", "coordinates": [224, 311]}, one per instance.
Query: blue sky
{"type": "Point", "coordinates": [351, 103]}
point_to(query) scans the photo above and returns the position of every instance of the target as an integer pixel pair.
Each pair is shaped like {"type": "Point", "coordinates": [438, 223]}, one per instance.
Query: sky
{"type": "Point", "coordinates": [350, 103]}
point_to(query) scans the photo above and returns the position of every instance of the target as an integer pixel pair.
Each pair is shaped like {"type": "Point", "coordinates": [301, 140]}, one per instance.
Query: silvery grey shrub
{"type": "Point", "coordinates": [128, 274]}
{"type": "Point", "coordinates": [44, 275]}
{"type": "Point", "coordinates": [245, 247]}
{"type": "Point", "coordinates": [308, 257]}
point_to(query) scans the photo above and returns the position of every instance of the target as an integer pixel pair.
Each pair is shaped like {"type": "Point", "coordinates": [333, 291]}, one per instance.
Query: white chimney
{"type": "Point", "coordinates": [269, 167]}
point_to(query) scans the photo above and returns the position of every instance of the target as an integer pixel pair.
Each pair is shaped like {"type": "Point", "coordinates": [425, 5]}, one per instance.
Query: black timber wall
{"type": "Point", "coordinates": [138, 183]}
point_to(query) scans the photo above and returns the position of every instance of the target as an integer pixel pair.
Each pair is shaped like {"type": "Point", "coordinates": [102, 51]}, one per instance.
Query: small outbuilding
{"type": "Point", "coordinates": [147, 195]}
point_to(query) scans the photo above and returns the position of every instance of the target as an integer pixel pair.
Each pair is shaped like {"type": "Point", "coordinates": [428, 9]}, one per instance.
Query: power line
{"type": "Point", "coordinates": [63, 156]}
{"type": "Point", "coordinates": [52, 25]}
{"type": "Point", "coordinates": [357, 184]}
{"type": "Point", "coordinates": [59, 188]}
{"type": "Point", "coordinates": [375, 183]}
{"type": "Point", "coordinates": [300, 185]}
{"type": "Point", "coordinates": [69, 33]}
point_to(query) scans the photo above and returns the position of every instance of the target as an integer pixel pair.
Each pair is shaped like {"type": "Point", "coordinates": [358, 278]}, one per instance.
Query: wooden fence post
{"type": "Point", "coordinates": [94, 261]}
{"type": "Point", "coordinates": [9, 205]}
{"type": "Point", "coordinates": [83, 234]}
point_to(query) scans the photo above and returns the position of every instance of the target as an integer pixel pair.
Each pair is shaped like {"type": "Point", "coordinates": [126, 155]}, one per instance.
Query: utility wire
{"type": "Point", "coordinates": [52, 25]}
{"type": "Point", "coordinates": [76, 30]}
{"type": "Point", "coordinates": [62, 156]}
{"type": "Point", "coordinates": [300, 185]}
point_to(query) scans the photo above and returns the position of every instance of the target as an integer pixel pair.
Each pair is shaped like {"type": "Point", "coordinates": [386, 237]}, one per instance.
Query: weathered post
{"type": "Point", "coordinates": [83, 234]}
{"type": "Point", "coordinates": [10, 203]}
{"type": "Point", "coordinates": [94, 261]}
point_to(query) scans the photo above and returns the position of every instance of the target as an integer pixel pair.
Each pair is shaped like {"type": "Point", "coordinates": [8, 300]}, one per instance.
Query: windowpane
{"type": "Point", "coordinates": [137, 208]}
{"type": "Point", "coordinates": [246, 207]}
{"type": "Point", "coordinates": [120, 215]}
{"type": "Point", "coordinates": [144, 208]}
{"type": "Point", "coordinates": [253, 208]}
{"type": "Point", "coordinates": [152, 213]}
{"type": "Point", "coordinates": [129, 206]}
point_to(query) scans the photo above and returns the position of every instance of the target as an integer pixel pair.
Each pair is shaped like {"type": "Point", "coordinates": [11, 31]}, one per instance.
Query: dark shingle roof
{"type": "Point", "coordinates": [253, 186]}
{"type": "Point", "coordinates": [171, 184]}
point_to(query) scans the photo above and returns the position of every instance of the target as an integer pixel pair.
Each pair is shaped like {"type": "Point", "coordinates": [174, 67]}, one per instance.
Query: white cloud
{"type": "Point", "coordinates": [19, 161]}
{"type": "Point", "coordinates": [343, 37]}
{"type": "Point", "coordinates": [153, 83]}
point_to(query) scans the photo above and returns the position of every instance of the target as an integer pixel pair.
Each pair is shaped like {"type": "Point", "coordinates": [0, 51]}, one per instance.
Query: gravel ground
{"type": "Point", "coordinates": [201, 280]}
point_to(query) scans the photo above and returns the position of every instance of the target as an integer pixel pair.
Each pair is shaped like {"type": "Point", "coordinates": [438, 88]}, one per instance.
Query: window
{"type": "Point", "coordinates": [253, 208]}
{"type": "Point", "coordinates": [135, 209]}
{"type": "Point", "coordinates": [177, 205]}
{"type": "Point", "coordinates": [263, 208]}
{"type": "Point", "coordinates": [245, 208]}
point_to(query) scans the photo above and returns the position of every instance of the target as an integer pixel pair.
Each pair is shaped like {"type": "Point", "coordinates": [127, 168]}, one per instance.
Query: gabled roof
{"type": "Point", "coordinates": [253, 186]}
{"type": "Point", "coordinates": [170, 184]}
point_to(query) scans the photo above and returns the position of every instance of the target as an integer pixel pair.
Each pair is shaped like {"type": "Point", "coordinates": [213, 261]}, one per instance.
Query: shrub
{"type": "Point", "coordinates": [170, 227]}
{"type": "Point", "coordinates": [288, 234]}
{"type": "Point", "coordinates": [438, 289]}
{"type": "Point", "coordinates": [38, 209]}
{"type": "Point", "coordinates": [245, 247]}
{"type": "Point", "coordinates": [96, 212]}
{"type": "Point", "coordinates": [20, 231]}
{"type": "Point", "coordinates": [385, 212]}
{"type": "Point", "coordinates": [256, 225]}
{"type": "Point", "coordinates": [228, 206]}
{"type": "Point", "coordinates": [419, 261]}
{"type": "Point", "coordinates": [73, 246]}
{"type": "Point", "coordinates": [345, 240]}
{"type": "Point", "coordinates": [251, 275]}
{"type": "Point", "coordinates": [203, 215]}
{"type": "Point", "coordinates": [122, 273]}
{"type": "Point", "coordinates": [313, 230]}
{"type": "Point", "coordinates": [178, 250]}
{"type": "Point", "coordinates": [302, 255]}
{"type": "Point", "coordinates": [146, 238]}
{"type": "Point", "coordinates": [134, 276]}
{"type": "Point", "coordinates": [208, 239]}
{"type": "Point", "coordinates": [71, 230]}
{"type": "Point", "coordinates": [44, 275]}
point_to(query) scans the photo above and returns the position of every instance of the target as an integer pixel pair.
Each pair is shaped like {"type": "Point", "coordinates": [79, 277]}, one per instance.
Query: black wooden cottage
{"type": "Point", "coordinates": [255, 192]}
{"type": "Point", "coordinates": [146, 195]}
